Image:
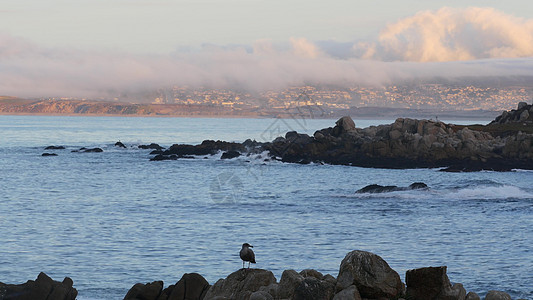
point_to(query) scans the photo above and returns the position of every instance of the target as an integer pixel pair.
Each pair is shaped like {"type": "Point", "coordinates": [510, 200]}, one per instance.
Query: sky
{"type": "Point", "coordinates": [91, 47]}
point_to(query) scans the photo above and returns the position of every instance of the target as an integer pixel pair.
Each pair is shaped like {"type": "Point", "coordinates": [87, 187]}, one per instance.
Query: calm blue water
{"type": "Point", "coordinates": [109, 220]}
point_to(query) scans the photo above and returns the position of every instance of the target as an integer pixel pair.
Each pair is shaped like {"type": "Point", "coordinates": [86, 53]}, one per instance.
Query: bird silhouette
{"type": "Point", "coordinates": [247, 254]}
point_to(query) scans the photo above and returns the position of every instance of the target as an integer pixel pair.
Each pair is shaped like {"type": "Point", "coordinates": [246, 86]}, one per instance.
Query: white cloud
{"type": "Point", "coordinates": [450, 34]}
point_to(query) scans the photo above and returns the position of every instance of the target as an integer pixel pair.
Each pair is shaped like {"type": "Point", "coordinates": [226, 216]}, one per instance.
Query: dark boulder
{"type": "Point", "coordinates": [54, 148]}
{"type": "Point", "coordinates": [312, 288]}
{"type": "Point", "coordinates": [43, 288]}
{"type": "Point", "coordinates": [432, 283]}
{"type": "Point", "coordinates": [230, 154]}
{"type": "Point", "coordinates": [376, 188]}
{"type": "Point", "coordinates": [241, 284]}
{"type": "Point", "coordinates": [164, 157]}
{"type": "Point", "coordinates": [207, 147]}
{"type": "Point", "coordinates": [371, 275]}
{"type": "Point", "coordinates": [151, 146]}
{"type": "Point", "coordinates": [190, 286]}
{"type": "Point", "coordinates": [149, 291]}
{"type": "Point", "coordinates": [472, 296]}
{"type": "Point", "coordinates": [48, 154]}
{"type": "Point", "coordinates": [288, 283]}
{"type": "Point", "coordinates": [88, 150]}
{"type": "Point", "coordinates": [497, 295]}
{"type": "Point", "coordinates": [349, 293]}
{"type": "Point", "coordinates": [120, 144]}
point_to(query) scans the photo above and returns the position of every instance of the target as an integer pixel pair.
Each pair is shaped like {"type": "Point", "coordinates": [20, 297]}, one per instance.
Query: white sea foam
{"type": "Point", "coordinates": [491, 192]}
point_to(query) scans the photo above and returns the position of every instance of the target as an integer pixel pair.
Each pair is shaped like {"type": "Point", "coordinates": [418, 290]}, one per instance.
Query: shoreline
{"type": "Point", "coordinates": [362, 275]}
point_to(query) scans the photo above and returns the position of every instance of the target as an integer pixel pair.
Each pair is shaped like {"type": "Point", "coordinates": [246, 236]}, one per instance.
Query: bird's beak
{"type": "Point", "coordinates": [251, 246]}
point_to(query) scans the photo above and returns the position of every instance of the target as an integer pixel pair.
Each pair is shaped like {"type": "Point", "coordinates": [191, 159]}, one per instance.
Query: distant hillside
{"type": "Point", "coordinates": [18, 106]}
{"type": "Point", "coordinates": [10, 105]}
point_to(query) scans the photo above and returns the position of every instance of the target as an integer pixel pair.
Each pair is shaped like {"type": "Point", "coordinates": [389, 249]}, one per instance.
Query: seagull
{"type": "Point", "coordinates": [247, 254]}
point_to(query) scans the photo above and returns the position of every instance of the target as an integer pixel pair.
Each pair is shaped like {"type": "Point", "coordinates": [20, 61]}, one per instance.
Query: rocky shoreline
{"type": "Point", "coordinates": [362, 275]}
{"type": "Point", "coordinates": [503, 145]}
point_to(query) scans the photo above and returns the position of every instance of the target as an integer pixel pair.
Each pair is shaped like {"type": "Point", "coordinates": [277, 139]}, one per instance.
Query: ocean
{"type": "Point", "coordinates": [112, 219]}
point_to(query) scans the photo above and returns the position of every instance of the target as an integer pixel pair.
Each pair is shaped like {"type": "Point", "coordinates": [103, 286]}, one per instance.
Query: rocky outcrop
{"type": "Point", "coordinates": [376, 188]}
{"type": "Point", "coordinates": [370, 274]}
{"type": "Point", "coordinates": [362, 275]}
{"type": "Point", "coordinates": [432, 283]}
{"type": "Point", "coordinates": [241, 284]}
{"type": "Point", "coordinates": [522, 114]}
{"type": "Point", "coordinates": [406, 143]}
{"type": "Point", "coordinates": [120, 144]}
{"type": "Point", "coordinates": [43, 288]}
{"type": "Point", "coordinates": [153, 146]}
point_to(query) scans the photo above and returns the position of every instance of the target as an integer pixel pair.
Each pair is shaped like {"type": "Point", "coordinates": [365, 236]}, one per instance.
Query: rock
{"type": "Point", "coordinates": [164, 157]}
{"type": "Point", "coordinates": [190, 286]}
{"type": "Point", "coordinates": [230, 154]}
{"type": "Point", "coordinates": [91, 150]}
{"type": "Point", "coordinates": [149, 291]}
{"type": "Point", "coordinates": [151, 146]}
{"type": "Point", "coordinates": [345, 124]}
{"type": "Point", "coordinates": [371, 275]}
{"type": "Point", "coordinates": [472, 296]}
{"type": "Point", "coordinates": [376, 188]}
{"type": "Point", "coordinates": [521, 105]}
{"type": "Point", "coordinates": [241, 284]}
{"type": "Point", "coordinates": [497, 295]}
{"type": "Point", "coordinates": [48, 154]}
{"type": "Point", "coordinates": [43, 288]}
{"type": "Point", "coordinates": [312, 273]}
{"type": "Point", "coordinates": [120, 144]}
{"type": "Point", "coordinates": [432, 283]}
{"type": "Point", "coordinates": [289, 281]}
{"type": "Point", "coordinates": [349, 293]}
{"type": "Point", "coordinates": [417, 186]}
{"type": "Point", "coordinates": [261, 295]}
{"type": "Point", "coordinates": [312, 288]}
{"type": "Point", "coordinates": [54, 148]}
{"type": "Point", "coordinates": [524, 116]}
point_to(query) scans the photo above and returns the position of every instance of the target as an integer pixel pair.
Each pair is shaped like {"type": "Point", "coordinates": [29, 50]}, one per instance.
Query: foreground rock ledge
{"type": "Point", "coordinates": [503, 145]}
{"type": "Point", "coordinates": [362, 275]}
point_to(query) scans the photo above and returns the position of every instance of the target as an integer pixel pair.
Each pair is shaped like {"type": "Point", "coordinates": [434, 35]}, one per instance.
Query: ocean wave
{"type": "Point", "coordinates": [490, 192]}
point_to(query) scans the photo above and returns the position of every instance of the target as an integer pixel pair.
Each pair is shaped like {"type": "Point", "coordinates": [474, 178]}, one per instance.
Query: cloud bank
{"type": "Point", "coordinates": [452, 34]}
{"type": "Point", "coordinates": [447, 44]}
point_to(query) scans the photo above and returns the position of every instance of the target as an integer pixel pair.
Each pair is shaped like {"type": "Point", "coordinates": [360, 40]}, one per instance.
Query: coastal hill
{"type": "Point", "coordinates": [19, 106]}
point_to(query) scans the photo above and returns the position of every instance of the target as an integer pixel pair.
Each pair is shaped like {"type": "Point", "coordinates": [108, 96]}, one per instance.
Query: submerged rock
{"type": "Point", "coordinates": [48, 154]}
{"type": "Point", "coordinates": [376, 188]}
{"type": "Point", "coordinates": [54, 148]}
{"type": "Point", "coordinates": [120, 144]}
